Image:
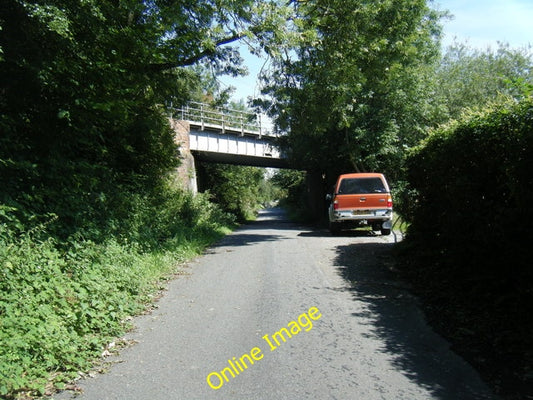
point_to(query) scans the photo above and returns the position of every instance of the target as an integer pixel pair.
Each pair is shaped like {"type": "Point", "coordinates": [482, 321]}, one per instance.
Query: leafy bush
{"type": "Point", "coordinates": [469, 240]}
{"type": "Point", "coordinates": [293, 192]}
{"type": "Point", "coordinates": [151, 220]}
{"type": "Point", "coordinates": [61, 301]}
{"type": "Point", "coordinates": [473, 189]}
{"type": "Point", "coordinates": [237, 189]}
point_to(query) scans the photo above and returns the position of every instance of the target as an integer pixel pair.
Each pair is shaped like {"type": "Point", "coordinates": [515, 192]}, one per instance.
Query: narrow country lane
{"type": "Point", "coordinates": [363, 335]}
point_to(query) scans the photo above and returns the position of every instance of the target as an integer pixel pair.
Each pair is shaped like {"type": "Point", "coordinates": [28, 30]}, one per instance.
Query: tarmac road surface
{"type": "Point", "coordinates": [281, 311]}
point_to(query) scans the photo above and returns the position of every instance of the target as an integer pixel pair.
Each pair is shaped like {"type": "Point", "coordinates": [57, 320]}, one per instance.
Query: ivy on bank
{"type": "Point", "coordinates": [61, 301]}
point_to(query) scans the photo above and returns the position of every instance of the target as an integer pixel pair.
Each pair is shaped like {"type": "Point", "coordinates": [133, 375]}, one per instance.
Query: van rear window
{"type": "Point", "coordinates": [361, 186]}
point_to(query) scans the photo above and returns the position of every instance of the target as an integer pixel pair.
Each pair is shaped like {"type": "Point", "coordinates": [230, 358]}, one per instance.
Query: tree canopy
{"type": "Point", "coordinates": [355, 84]}
{"type": "Point", "coordinates": [83, 88]}
{"type": "Point", "coordinates": [469, 78]}
{"type": "Point", "coordinates": [349, 92]}
{"type": "Point", "coordinates": [361, 83]}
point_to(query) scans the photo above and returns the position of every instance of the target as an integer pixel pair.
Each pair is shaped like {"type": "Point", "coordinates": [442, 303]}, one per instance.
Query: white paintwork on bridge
{"type": "Point", "coordinates": [230, 136]}
{"type": "Point", "coordinates": [232, 143]}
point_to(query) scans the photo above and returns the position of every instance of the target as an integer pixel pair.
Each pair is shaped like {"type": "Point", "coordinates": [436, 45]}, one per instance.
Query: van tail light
{"type": "Point", "coordinates": [389, 203]}
{"type": "Point", "coordinates": [335, 205]}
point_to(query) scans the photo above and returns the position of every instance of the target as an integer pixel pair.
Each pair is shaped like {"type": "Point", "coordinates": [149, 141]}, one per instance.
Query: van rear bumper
{"type": "Point", "coordinates": [345, 219]}
{"type": "Point", "coordinates": [361, 215]}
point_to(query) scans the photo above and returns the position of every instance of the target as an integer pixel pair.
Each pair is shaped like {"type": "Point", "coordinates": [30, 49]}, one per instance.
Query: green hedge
{"type": "Point", "coordinates": [238, 190]}
{"type": "Point", "coordinates": [473, 192]}
{"type": "Point", "coordinates": [63, 300]}
{"type": "Point", "coordinates": [470, 238]}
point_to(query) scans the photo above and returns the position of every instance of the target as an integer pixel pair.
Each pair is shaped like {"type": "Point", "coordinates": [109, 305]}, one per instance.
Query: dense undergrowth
{"type": "Point", "coordinates": [239, 190]}
{"type": "Point", "coordinates": [63, 298]}
{"type": "Point", "coordinates": [468, 244]}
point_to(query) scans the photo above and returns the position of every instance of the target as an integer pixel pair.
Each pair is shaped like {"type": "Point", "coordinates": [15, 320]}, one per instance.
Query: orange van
{"type": "Point", "coordinates": [361, 199]}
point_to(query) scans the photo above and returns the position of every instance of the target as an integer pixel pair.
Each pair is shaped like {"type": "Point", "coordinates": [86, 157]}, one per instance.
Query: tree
{"type": "Point", "coordinates": [469, 78]}
{"type": "Point", "coordinates": [352, 98]}
{"type": "Point", "coordinates": [236, 189]}
{"type": "Point", "coordinates": [293, 189]}
{"type": "Point", "coordinates": [83, 87]}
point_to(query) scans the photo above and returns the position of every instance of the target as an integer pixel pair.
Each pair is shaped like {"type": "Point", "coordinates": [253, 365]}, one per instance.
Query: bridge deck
{"type": "Point", "coordinates": [229, 136]}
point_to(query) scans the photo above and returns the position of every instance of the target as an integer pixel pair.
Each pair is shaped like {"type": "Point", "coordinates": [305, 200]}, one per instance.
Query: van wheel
{"type": "Point", "coordinates": [385, 232]}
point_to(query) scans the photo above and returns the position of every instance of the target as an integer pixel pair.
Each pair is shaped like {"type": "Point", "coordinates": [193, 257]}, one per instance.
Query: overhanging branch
{"type": "Point", "coordinates": [197, 57]}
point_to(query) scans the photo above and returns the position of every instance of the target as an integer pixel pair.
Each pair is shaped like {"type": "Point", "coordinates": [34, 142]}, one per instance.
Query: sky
{"type": "Point", "coordinates": [480, 23]}
{"type": "Point", "coordinates": [483, 23]}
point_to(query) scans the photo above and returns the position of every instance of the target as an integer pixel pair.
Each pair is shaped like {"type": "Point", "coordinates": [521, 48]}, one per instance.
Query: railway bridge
{"type": "Point", "coordinates": [222, 135]}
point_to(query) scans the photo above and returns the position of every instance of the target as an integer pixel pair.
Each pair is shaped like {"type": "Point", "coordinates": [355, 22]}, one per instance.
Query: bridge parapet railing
{"type": "Point", "coordinates": [225, 119]}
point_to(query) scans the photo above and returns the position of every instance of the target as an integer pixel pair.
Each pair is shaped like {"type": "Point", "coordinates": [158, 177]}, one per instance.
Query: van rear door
{"type": "Point", "coordinates": [366, 193]}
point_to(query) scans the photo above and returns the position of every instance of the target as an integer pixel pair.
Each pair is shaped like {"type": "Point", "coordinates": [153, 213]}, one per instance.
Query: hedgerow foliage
{"type": "Point", "coordinates": [62, 300]}
{"type": "Point", "coordinates": [88, 222]}
{"type": "Point", "coordinates": [470, 230]}
{"type": "Point", "coordinates": [239, 190]}
{"type": "Point", "coordinates": [474, 187]}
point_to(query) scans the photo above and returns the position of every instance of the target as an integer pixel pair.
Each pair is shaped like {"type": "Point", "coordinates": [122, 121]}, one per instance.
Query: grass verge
{"type": "Point", "coordinates": [62, 302]}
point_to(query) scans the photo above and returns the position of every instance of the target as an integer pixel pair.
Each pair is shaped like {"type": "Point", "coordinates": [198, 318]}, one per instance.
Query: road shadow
{"type": "Point", "coordinates": [356, 233]}
{"type": "Point", "coordinates": [246, 239]}
{"type": "Point", "coordinates": [253, 232]}
{"type": "Point", "coordinates": [395, 317]}
{"type": "Point", "coordinates": [281, 225]}
{"type": "Point", "coordinates": [272, 218]}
